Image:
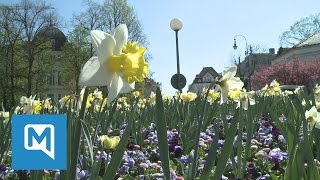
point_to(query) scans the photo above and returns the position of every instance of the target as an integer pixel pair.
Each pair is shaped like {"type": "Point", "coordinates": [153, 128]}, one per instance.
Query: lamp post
{"type": "Point", "coordinates": [246, 54]}
{"type": "Point", "coordinates": [178, 81]}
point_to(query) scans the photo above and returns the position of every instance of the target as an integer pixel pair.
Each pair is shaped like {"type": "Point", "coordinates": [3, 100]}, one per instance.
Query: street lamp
{"type": "Point", "coordinates": [178, 81]}
{"type": "Point", "coordinates": [246, 54]}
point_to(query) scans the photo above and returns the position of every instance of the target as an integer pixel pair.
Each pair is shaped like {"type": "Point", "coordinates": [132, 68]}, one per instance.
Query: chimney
{"type": "Point", "coordinates": [271, 51]}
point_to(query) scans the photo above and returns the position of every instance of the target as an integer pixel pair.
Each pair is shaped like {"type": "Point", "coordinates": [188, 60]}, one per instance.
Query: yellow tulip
{"type": "Point", "coordinates": [109, 143]}
{"type": "Point", "coordinates": [188, 97]}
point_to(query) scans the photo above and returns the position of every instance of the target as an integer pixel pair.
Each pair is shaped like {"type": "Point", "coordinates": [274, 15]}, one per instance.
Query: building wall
{"type": "Point", "coordinates": [198, 87]}
{"type": "Point", "coordinates": [254, 62]}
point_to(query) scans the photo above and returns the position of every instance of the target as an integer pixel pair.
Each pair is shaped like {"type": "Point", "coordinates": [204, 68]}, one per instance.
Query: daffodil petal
{"type": "Point", "coordinates": [127, 87]}
{"type": "Point", "coordinates": [235, 83]}
{"type": "Point", "coordinates": [97, 36]}
{"type": "Point", "coordinates": [228, 74]}
{"type": "Point", "coordinates": [120, 34]}
{"type": "Point", "coordinates": [93, 73]}
{"type": "Point", "coordinates": [224, 94]}
{"type": "Point", "coordinates": [105, 49]}
{"type": "Point", "coordinates": [114, 87]}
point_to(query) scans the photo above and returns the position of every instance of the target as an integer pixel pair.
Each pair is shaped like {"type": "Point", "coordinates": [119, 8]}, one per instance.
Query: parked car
{"type": "Point", "coordinates": [290, 87]}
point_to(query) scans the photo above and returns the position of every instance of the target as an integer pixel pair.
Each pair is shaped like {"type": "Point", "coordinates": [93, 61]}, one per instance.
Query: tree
{"type": "Point", "coordinates": [74, 54]}
{"type": "Point", "coordinates": [90, 19]}
{"type": "Point", "coordinates": [108, 16]}
{"type": "Point", "coordinates": [119, 12]}
{"type": "Point", "coordinates": [300, 30]}
{"type": "Point", "coordinates": [34, 18]}
{"type": "Point", "coordinates": [24, 54]}
{"type": "Point", "coordinates": [9, 42]}
{"type": "Point", "coordinates": [292, 72]}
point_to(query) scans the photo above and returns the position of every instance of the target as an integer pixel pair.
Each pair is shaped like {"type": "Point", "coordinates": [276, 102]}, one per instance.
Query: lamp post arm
{"type": "Point", "coordinates": [245, 39]}
{"type": "Point", "coordinates": [247, 54]}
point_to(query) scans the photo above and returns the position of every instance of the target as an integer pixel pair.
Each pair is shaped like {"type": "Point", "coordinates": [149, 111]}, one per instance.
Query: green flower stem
{"type": "Point", "coordinates": [5, 140]}
{"type": "Point", "coordinates": [76, 139]}
{"type": "Point", "coordinates": [249, 130]}
{"type": "Point", "coordinates": [196, 150]}
{"type": "Point", "coordinates": [162, 135]}
{"type": "Point", "coordinates": [36, 174]}
{"type": "Point", "coordinates": [211, 158]}
{"type": "Point", "coordinates": [239, 145]}
{"type": "Point", "coordinates": [227, 147]}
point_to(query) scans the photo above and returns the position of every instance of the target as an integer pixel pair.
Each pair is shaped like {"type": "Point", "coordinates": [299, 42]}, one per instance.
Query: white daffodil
{"type": "Point", "coordinates": [313, 118]}
{"type": "Point", "coordinates": [118, 64]}
{"type": "Point", "coordinates": [228, 82]}
{"type": "Point", "coordinates": [245, 99]}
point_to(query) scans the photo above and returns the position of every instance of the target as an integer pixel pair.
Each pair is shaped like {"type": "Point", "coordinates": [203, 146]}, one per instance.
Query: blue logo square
{"type": "Point", "coordinates": [39, 142]}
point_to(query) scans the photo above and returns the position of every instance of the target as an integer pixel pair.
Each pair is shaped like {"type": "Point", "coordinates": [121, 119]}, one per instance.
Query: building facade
{"type": "Point", "coordinates": [254, 62]}
{"type": "Point", "coordinates": [203, 80]}
{"type": "Point", "coordinates": [54, 86]}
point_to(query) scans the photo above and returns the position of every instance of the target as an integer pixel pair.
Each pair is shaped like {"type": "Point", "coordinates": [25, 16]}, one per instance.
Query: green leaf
{"type": "Point", "coordinates": [211, 158]}
{"type": "Point", "coordinates": [118, 153]}
{"type": "Point", "coordinates": [75, 142]}
{"type": "Point", "coordinates": [161, 126]}
{"type": "Point", "coordinates": [86, 133]}
{"type": "Point", "coordinates": [227, 147]}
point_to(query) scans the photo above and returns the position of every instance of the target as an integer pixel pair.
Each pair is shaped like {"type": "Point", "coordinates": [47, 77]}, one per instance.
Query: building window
{"type": "Point", "coordinates": [59, 78]}
{"type": "Point", "coordinates": [53, 44]}
{"type": "Point", "coordinates": [50, 96]}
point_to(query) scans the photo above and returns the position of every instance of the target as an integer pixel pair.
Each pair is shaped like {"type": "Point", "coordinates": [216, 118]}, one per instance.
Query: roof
{"type": "Point", "coordinates": [203, 72]}
{"type": "Point", "coordinates": [312, 40]}
{"type": "Point", "coordinates": [206, 70]}
{"type": "Point", "coordinates": [50, 33]}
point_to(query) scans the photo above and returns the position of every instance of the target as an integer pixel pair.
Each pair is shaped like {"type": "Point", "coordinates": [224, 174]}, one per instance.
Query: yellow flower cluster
{"type": "Point", "coordinates": [271, 90]}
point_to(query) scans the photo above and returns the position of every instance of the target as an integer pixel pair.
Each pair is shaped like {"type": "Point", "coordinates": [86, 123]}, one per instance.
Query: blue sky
{"type": "Point", "coordinates": [209, 26]}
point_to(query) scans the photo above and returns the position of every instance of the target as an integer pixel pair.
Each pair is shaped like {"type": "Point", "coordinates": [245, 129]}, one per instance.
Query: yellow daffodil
{"type": "Point", "coordinates": [30, 105]}
{"type": "Point", "coordinates": [65, 101]}
{"type": "Point", "coordinates": [287, 93]}
{"type": "Point", "coordinates": [313, 118]}
{"type": "Point", "coordinates": [152, 99]}
{"type": "Point", "coordinates": [188, 97]}
{"type": "Point", "coordinates": [48, 104]}
{"type": "Point", "coordinates": [303, 102]}
{"type": "Point", "coordinates": [109, 143]}
{"type": "Point", "coordinates": [228, 82]}
{"type": "Point", "coordinates": [118, 64]}
{"type": "Point", "coordinates": [142, 103]}
{"type": "Point", "coordinates": [97, 94]}
{"type": "Point", "coordinates": [274, 89]}
{"type": "Point", "coordinates": [318, 105]}
{"type": "Point", "coordinates": [234, 94]}
{"type": "Point", "coordinates": [4, 116]}
{"type": "Point", "coordinates": [213, 95]}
